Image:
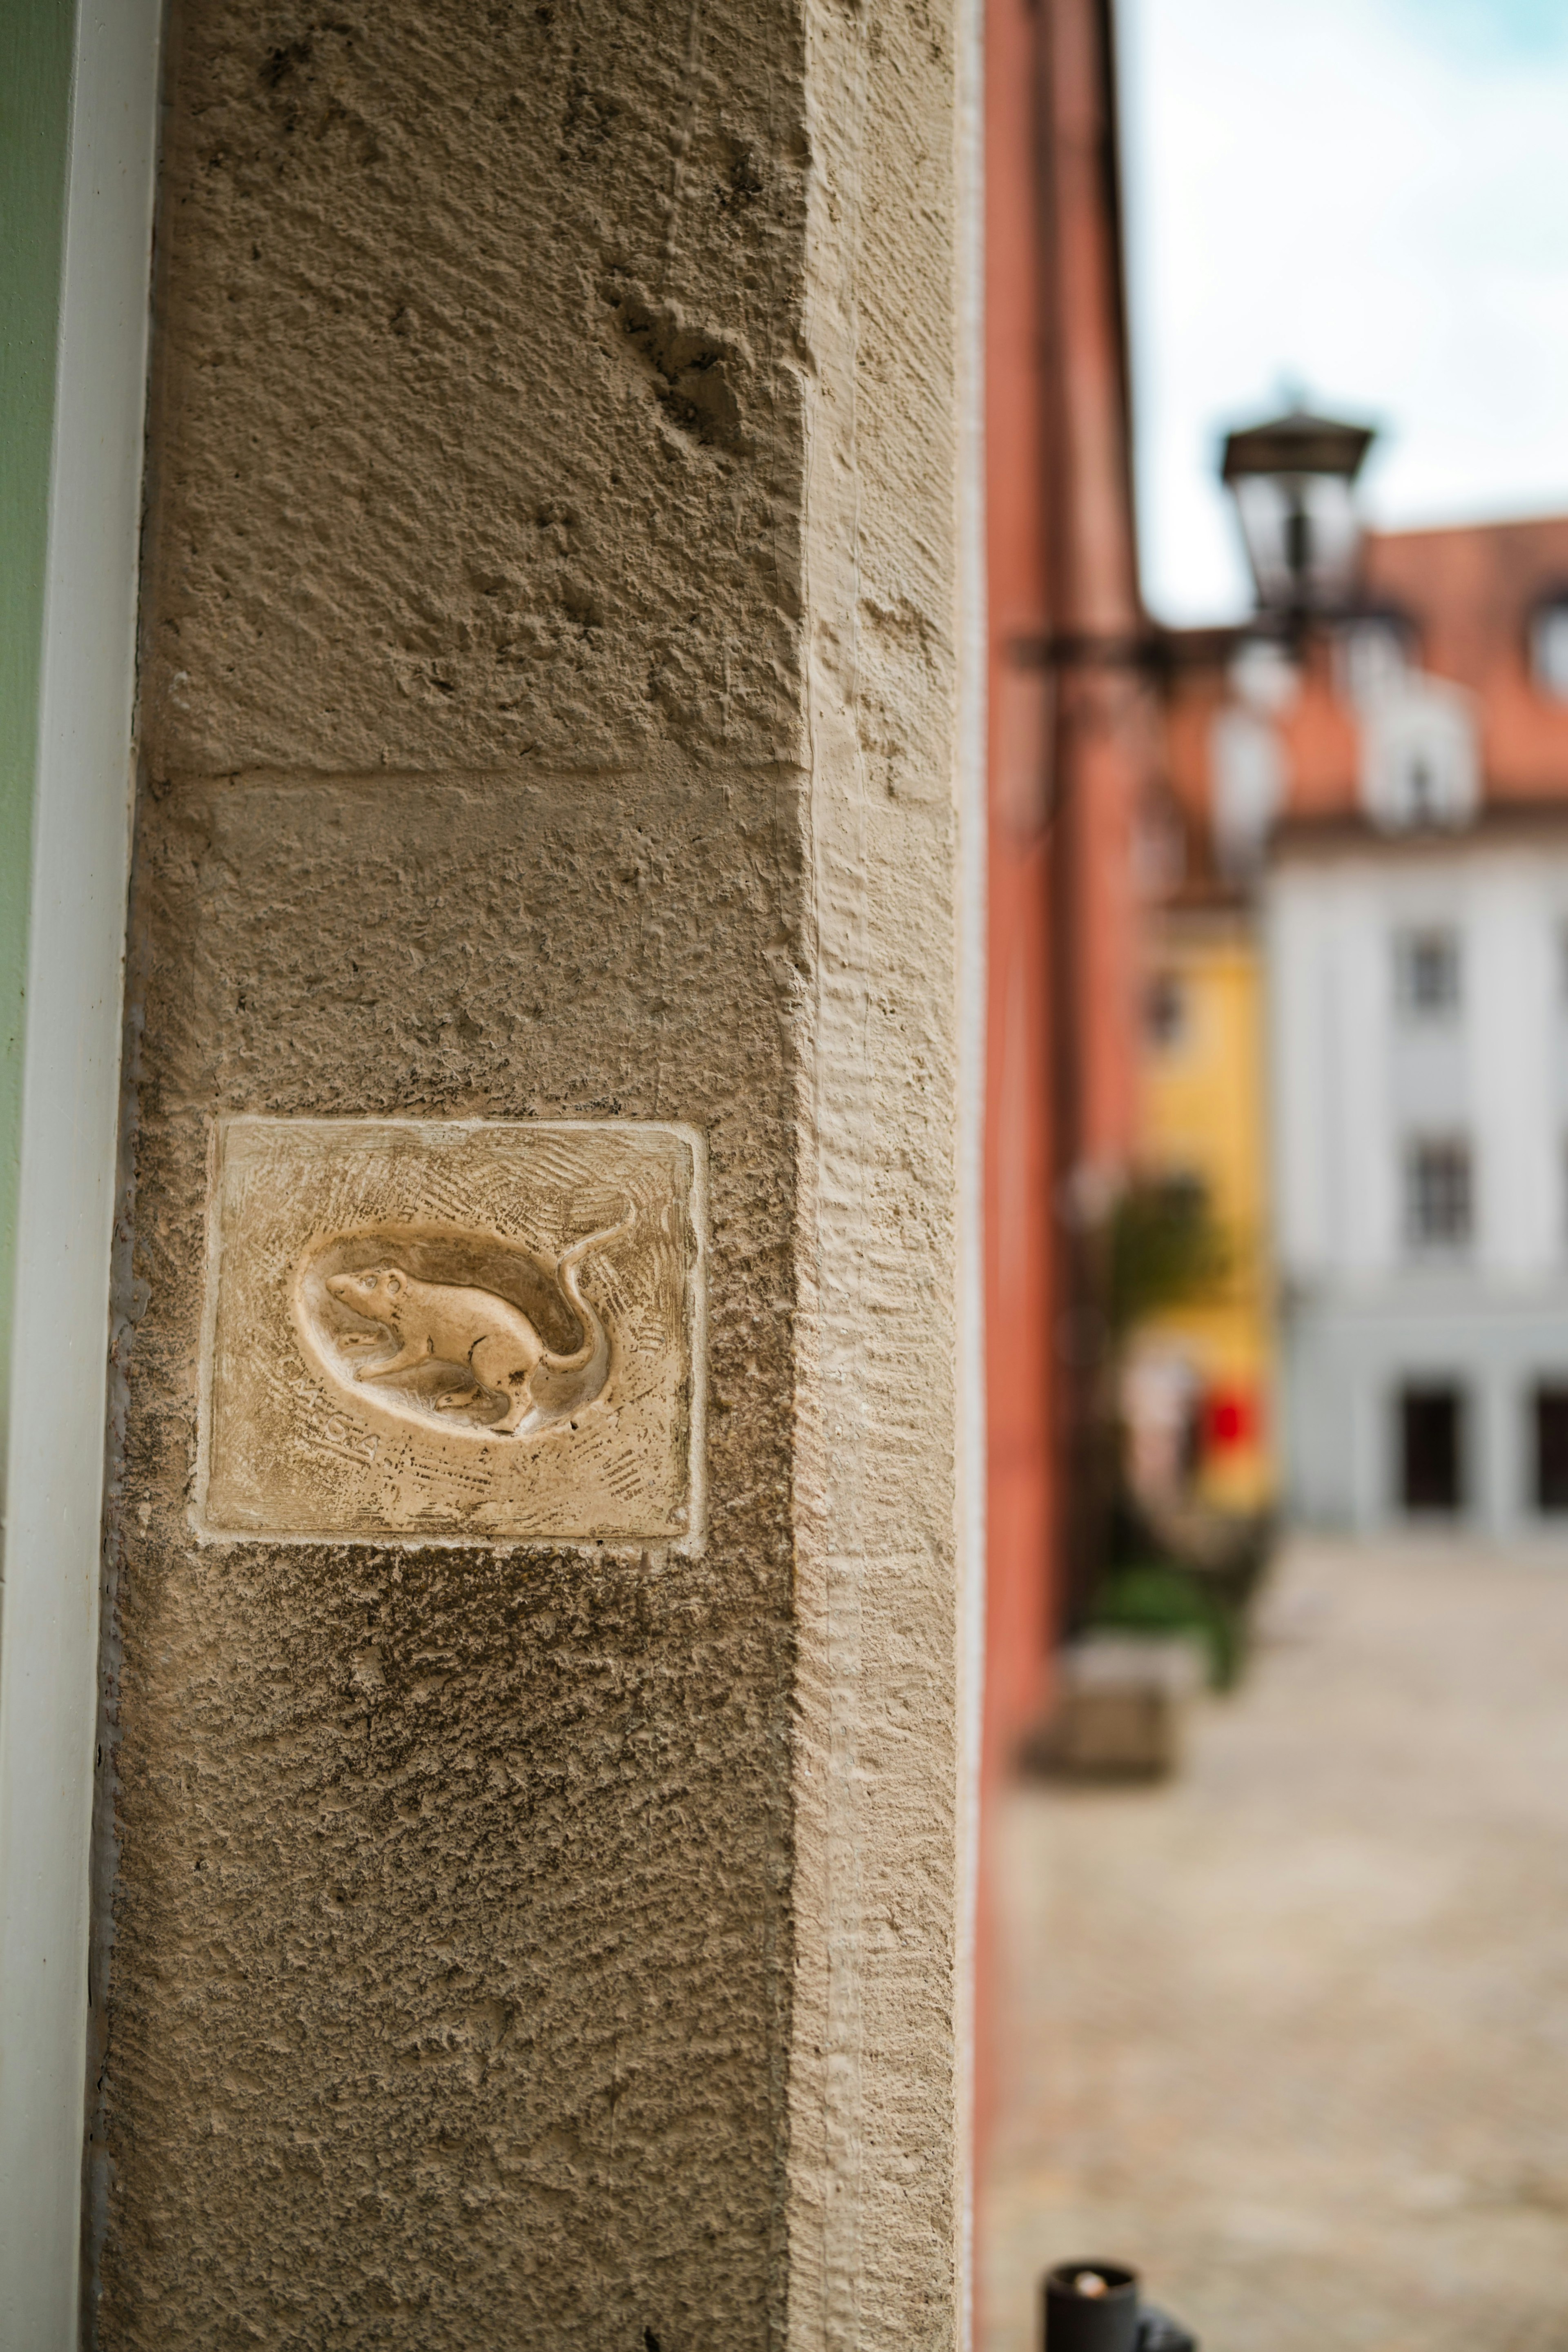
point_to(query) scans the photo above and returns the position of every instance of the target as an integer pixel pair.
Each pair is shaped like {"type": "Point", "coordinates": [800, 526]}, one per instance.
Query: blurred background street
{"type": "Point", "coordinates": [1290, 2028]}
{"type": "Point", "coordinates": [1273, 1993]}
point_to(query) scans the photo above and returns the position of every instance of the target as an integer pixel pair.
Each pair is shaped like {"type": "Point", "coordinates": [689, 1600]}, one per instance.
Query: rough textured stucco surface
{"type": "Point", "coordinates": [547, 713]}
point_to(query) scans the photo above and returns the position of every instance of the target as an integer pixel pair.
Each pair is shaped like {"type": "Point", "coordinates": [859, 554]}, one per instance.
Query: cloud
{"type": "Point", "coordinates": [1354, 198]}
{"type": "Point", "coordinates": [1491, 30]}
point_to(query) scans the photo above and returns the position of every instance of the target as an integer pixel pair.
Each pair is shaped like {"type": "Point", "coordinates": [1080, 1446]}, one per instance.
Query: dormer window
{"type": "Point", "coordinates": [1549, 646]}
{"type": "Point", "coordinates": [1420, 754]}
{"type": "Point", "coordinates": [1375, 654]}
{"type": "Point", "coordinates": [1422, 797]}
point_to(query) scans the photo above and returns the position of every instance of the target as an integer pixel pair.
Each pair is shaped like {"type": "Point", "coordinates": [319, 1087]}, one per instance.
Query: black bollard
{"type": "Point", "coordinates": [1091, 2307]}
{"type": "Point", "coordinates": [1158, 2332]}
{"type": "Point", "coordinates": [1095, 2307]}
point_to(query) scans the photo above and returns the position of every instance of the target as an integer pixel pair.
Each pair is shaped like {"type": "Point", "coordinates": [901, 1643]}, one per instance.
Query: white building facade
{"type": "Point", "coordinates": [1418, 995]}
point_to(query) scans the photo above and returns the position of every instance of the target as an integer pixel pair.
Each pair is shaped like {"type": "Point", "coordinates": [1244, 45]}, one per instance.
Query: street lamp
{"type": "Point", "coordinates": [1293, 482]}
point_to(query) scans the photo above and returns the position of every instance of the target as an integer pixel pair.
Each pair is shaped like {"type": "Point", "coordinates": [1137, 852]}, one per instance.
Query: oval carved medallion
{"type": "Point", "coordinates": [431, 1324]}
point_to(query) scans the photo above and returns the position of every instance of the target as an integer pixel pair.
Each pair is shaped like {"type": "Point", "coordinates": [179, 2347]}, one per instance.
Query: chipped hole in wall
{"type": "Point", "coordinates": [691, 366]}
{"type": "Point", "coordinates": [283, 61]}
{"type": "Point", "coordinates": [745, 182]}
{"type": "Point", "coordinates": [581, 607]}
{"type": "Point", "coordinates": [590, 115]}
{"type": "Point", "coordinates": [489, 579]}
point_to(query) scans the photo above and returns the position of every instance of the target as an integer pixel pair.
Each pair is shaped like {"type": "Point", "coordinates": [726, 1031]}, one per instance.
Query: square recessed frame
{"type": "Point", "coordinates": [453, 1331]}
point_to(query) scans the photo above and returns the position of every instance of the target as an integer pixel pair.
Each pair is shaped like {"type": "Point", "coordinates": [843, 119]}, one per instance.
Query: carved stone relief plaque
{"type": "Point", "coordinates": [467, 1329]}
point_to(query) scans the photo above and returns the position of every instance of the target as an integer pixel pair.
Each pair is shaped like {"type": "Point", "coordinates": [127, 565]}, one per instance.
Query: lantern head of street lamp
{"type": "Point", "coordinates": [1293, 482]}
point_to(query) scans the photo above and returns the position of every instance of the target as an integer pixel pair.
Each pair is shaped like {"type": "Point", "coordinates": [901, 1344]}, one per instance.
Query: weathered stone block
{"type": "Point", "coordinates": [547, 716]}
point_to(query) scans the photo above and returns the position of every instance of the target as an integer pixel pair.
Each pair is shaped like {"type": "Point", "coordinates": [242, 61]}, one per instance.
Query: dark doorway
{"type": "Point", "coordinates": [1432, 1447]}
{"type": "Point", "coordinates": [1552, 1448]}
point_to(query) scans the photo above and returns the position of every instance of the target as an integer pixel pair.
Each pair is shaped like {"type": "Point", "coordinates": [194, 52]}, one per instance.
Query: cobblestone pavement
{"type": "Point", "coordinates": [1292, 2032]}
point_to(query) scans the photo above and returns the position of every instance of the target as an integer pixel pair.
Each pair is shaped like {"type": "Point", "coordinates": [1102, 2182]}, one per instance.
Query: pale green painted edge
{"type": "Point", "coordinates": [36, 49]}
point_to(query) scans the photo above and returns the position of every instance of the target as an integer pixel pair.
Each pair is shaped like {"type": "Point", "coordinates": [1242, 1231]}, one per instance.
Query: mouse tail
{"type": "Point", "coordinates": [593, 1338]}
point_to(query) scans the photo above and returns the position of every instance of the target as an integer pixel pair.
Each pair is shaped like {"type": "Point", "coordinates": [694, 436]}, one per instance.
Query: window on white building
{"type": "Point", "coordinates": [1552, 1446]}
{"type": "Point", "coordinates": [1431, 1446]}
{"type": "Point", "coordinates": [1428, 972]}
{"type": "Point", "coordinates": [1440, 1192]}
{"type": "Point", "coordinates": [1548, 647]}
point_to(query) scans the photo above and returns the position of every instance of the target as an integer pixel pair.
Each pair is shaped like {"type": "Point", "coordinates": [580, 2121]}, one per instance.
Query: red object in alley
{"type": "Point", "coordinates": [1230, 1418]}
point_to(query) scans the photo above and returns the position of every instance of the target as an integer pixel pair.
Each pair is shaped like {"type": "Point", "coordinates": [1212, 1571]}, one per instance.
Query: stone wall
{"type": "Point", "coordinates": [548, 714]}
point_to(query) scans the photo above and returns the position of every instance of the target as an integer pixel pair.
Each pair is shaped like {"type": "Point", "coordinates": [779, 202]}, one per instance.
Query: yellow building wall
{"type": "Point", "coordinates": [1203, 1114]}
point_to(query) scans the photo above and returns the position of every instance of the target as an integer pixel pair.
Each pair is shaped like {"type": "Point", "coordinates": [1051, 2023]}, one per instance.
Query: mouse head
{"type": "Point", "coordinates": [375, 1292]}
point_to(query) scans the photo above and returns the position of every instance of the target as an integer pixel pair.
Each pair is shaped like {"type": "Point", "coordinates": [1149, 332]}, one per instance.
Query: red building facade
{"type": "Point", "coordinates": [1070, 750]}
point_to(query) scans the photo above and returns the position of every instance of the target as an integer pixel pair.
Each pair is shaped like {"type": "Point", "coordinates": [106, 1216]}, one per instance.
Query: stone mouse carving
{"type": "Point", "coordinates": [474, 1331]}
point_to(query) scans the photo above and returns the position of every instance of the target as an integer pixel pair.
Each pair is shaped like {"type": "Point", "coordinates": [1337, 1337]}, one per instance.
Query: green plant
{"type": "Point", "coordinates": [1156, 1596]}
{"type": "Point", "coordinates": [1165, 1246]}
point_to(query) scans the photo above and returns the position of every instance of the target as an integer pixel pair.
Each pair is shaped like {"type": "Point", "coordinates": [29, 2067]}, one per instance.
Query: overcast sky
{"type": "Point", "coordinates": [1365, 201]}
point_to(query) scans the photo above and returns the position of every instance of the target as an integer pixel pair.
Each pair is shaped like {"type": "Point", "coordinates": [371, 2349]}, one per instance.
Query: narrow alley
{"type": "Point", "coordinates": [1291, 2032]}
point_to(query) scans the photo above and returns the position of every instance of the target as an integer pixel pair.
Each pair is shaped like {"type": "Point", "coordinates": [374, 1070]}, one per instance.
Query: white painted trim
{"type": "Point", "coordinates": [973, 646]}
{"type": "Point", "coordinates": [48, 1644]}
